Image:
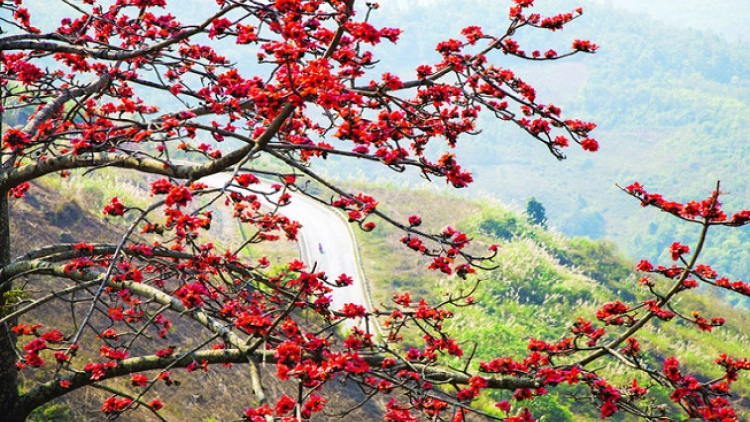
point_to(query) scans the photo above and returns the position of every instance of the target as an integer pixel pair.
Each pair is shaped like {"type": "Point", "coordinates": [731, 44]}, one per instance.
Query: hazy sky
{"type": "Point", "coordinates": [727, 18]}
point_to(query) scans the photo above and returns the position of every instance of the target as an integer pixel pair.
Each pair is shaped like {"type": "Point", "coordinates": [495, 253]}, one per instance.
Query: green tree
{"type": "Point", "coordinates": [536, 212]}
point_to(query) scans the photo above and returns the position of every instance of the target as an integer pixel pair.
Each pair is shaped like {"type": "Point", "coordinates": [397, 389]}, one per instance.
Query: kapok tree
{"type": "Point", "coordinates": [88, 95]}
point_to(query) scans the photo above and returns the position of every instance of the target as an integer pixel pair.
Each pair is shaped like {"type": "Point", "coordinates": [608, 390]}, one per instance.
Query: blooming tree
{"type": "Point", "coordinates": [89, 95]}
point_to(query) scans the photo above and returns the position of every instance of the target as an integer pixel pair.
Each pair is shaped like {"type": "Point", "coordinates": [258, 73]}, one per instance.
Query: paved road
{"type": "Point", "coordinates": [322, 228]}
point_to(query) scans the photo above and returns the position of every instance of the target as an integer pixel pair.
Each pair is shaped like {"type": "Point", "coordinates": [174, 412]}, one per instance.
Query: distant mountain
{"type": "Point", "coordinates": [669, 89]}
{"type": "Point", "coordinates": [727, 18]}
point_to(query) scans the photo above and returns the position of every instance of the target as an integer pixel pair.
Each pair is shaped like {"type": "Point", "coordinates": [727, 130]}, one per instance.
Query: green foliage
{"type": "Point", "coordinates": [11, 116]}
{"type": "Point", "coordinates": [550, 407]}
{"type": "Point", "coordinates": [599, 259]}
{"type": "Point", "coordinates": [54, 412]}
{"type": "Point", "coordinates": [502, 229]}
{"type": "Point", "coordinates": [500, 223]}
{"type": "Point", "coordinates": [10, 298]}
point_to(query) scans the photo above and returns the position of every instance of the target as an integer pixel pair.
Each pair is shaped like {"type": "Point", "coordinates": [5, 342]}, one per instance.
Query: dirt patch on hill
{"type": "Point", "coordinates": [46, 217]}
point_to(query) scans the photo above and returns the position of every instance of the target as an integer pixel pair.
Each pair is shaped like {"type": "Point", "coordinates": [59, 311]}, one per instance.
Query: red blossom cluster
{"type": "Point", "coordinates": [114, 405]}
{"type": "Point", "coordinates": [615, 313]}
{"type": "Point", "coordinates": [38, 344]}
{"type": "Point", "coordinates": [708, 209]}
{"type": "Point", "coordinates": [584, 328]}
{"type": "Point", "coordinates": [114, 208]}
{"type": "Point", "coordinates": [191, 295]}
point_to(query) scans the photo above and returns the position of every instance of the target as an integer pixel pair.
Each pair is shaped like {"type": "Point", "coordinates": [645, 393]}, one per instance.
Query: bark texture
{"type": "Point", "coordinates": [8, 369]}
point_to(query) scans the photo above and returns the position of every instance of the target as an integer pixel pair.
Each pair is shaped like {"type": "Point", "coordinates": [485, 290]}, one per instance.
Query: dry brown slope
{"type": "Point", "coordinates": [47, 216]}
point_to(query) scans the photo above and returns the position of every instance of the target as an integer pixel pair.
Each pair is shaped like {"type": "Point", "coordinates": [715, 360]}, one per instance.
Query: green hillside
{"type": "Point", "coordinates": [544, 281]}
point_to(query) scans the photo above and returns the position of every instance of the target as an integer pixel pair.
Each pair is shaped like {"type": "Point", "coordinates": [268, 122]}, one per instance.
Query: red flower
{"type": "Point", "coordinates": [165, 353]}
{"type": "Point", "coordinates": [15, 140]}
{"type": "Point", "coordinates": [585, 46]}
{"type": "Point", "coordinates": [503, 405]}
{"type": "Point", "coordinates": [113, 404]}
{"type": "Point", "coordinates": [35, 345]}
{"type": "Point", "coordinates": [53, 336]}
{"type": "Point", "coordinates": [344, 280]}
{"type": "Point", "coordinates": [590, 144]}
{"type": "Point", "coordinates": [109, 334]}
{"type": "Point", "coordinates": [644, 266]}
{"type": "Point", "coordinates": [114, 208]}
{"type": "Point", "coordinates": [315, 403]}
{"type": "Point", "coordinates": [677, 249]}
{"type": "Point", "coordinates": [285, 405]}
{"type": "Point", "coordinates": [161, 186]}
{"type": "Point", "coordinates": [246, 179]}
{"type": "Point", "coordinates": [179, 195]}
{"type": "Point", "coordinates": [32, 359]}
{"type": "Point", "coordinates": [352, 310]}
{"type": "Point", "coordinates": [19, 191]}
{"type": "Point", "coordinates": [138, 380]}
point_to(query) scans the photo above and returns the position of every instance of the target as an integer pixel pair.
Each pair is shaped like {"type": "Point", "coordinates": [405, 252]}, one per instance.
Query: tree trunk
{"type": "Point", "coordinates": [8, 369]}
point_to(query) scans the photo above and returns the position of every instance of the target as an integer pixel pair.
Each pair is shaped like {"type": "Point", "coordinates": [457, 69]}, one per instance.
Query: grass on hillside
{"type": "Point", "coordinates": [542, 283]}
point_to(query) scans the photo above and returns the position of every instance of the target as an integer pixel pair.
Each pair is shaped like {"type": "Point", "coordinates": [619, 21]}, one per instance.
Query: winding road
{"type": "Point", "coordinates": [326, 243]}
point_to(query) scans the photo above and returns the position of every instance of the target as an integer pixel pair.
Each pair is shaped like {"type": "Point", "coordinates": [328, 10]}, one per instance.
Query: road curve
{"type": "Point", "coordinates": [326, 243]}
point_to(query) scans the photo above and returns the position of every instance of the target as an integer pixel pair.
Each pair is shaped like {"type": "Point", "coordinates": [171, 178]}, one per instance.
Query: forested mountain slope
{"type": "Point", "coordinates": [671, 97]}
